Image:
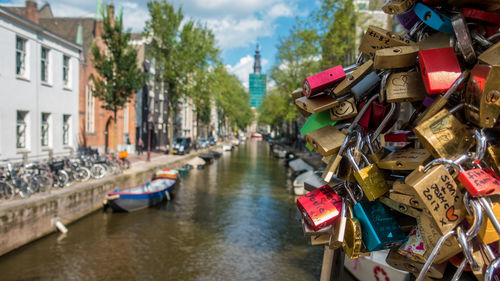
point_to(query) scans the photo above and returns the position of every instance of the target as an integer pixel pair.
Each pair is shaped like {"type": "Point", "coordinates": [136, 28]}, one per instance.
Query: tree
{"type": "Point", "coordinates": [337, 24]}
{"type": "Point", "coordinates": [118, 76]}
{"type": "Point", "coordinates": [231, 98]}
{"type": "Point", "coordinates": [184, 55]}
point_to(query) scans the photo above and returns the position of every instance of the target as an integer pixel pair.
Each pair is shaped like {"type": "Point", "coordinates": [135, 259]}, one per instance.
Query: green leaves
{"type": "Point", "coordinates": [118, 76]}
{"type": "Point", "coordinates": [189, 60]}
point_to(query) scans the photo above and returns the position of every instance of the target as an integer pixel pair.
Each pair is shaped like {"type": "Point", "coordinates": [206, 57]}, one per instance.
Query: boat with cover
{"type": "Point", "coordinates": [139, 197]}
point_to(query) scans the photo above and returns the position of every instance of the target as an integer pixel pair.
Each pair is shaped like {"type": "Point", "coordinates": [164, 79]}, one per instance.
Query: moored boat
{"type": "Point", "coordinates": [208, 157]}
{"type": "Point", "coordinates": [215, 153]}
{"type": "Point", "coordinates": [166, 174]}
{"type": "Point", "coordinates": [139, 197]}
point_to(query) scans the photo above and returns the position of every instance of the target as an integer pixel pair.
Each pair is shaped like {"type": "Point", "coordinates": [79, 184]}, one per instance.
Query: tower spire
{"type": "Point", "coordinates": [256, 65]}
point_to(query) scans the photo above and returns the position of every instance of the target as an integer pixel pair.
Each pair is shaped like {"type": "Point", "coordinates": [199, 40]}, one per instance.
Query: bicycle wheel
{"type": "Point", "coordinates": [33, 184]}
{"type": "Point", "coordinates": [97, 171]}
{"type": "Point", "coordinates": [115, 167]}
{"type": "Point", "coordinates": [6, 190]}
{"type": "Point", "coordinates": [62, 178]}
{"type": "Point", "coordinates": [82, 174]}
{"type": "Point", "coordinates": [45, 180]}
{"type": "Point", "coordinates": [125, 163]}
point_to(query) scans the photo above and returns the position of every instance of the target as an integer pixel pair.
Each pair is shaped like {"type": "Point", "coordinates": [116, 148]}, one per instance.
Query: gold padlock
{"type": "Point", "coordinates": [403, 263]}
{"type": "Point", "coordinates": [402, 208]}
{"type": "Point", "coordinates": [396, 7]}
{"type": "Point", "coordinates": [298, 94]}
{"type": "Point", "coordinates": [404, 159]}
{"type": "Point", "coordinates": [370, 178]}
{"type": "Point", "coordinates": [444, 136]}
{"type": "Point", "coordinates": [491, 56]}
{"type": "Point", "coordinates": [487, 233]}
{"type": "Point", "coordinates": [405, 86]}
{"type": "Point", "coordinates": [440, 196]}
{"type": "Point", "coordinates": [317, 104]}
{"type": "Point", "coordinates": [396, 57]}
{"type": "Point", "coordinates": [343, 110]}
{"type": "Point", "coordinates": [319, 240]}
{"type": "Point", "coordinates": [482, 97]}
{"type": "Point", "coordinates": [493, 157]}
{"type": "Point", "coordinates": [436, 41]}
{"type": "Point", "coordinates": [352, 79]}
{"type": "Point", "coordinates": [430, 235]}
{"type": "Point", "coordinates": [353, 238]}
{"type": "Point", "coordinates": [326, 141]}
{"type": "Point", "coordinates": [376, 38]}
{"type": "Point", "coordinates": [410, 200]}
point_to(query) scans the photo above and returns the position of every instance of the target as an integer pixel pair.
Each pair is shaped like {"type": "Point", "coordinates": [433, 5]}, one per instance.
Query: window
{"type": "Point", "coordinates": [44, 130]}
{"type": "Point", "coordinates": [20, 56]}
{"type": "Point", "coordinates": [66, 129]}
{"type": "Point", "coordinates": [44, 64]}
{"type": "Point", "coordinates": [89, 108]}
{"type": "Point", "coordinates": [21, 128]}
{"type": "Point", "coordinates": [65, 71]}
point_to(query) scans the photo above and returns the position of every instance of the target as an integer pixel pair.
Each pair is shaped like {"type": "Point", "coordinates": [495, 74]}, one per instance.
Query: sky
{"type": "Point", "coordinates": [237, 24]}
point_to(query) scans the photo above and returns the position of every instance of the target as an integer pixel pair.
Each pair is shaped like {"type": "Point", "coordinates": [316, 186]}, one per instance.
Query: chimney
{"type": "Point", "coordinates": [31, 11]}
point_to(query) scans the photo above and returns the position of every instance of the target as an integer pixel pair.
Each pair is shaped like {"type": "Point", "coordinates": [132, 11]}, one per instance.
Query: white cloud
{"type": "Point", "coordinates": [235, 23]}
{"type": "Point", "coordinates": [243, 68]}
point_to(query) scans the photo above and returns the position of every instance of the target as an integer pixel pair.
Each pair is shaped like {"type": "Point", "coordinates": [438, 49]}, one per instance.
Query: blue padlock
{"type": "Point", "coordinates": [378, 226]}
{"type": "Point", "coordinates": [433, 19]}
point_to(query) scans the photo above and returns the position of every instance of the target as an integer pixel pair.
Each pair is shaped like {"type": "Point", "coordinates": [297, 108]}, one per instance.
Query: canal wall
{"type": "Point", "coordinates": [25, 220]}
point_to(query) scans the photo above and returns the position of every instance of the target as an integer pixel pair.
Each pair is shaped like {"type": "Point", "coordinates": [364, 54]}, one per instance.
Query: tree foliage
{"type": "Point", "coordinates": [118, 77]}
{"type": "Point", "coordinates": [324, 39]}
{"type": "Point", "coordinates": [188, 57]}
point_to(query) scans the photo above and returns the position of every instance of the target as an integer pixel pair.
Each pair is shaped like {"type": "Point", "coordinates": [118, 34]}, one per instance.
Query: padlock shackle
{"type": "Point", "coordinates": [433, 255]}
{"type": "Point", "coordinates": [361, 113]}
{"type": "Point", "coordinates": [461, 79]}
{"type": "Point", "coordinates": [466, 246]}
{"type": "Point", "coordinates": [386, 120]}
{"type": "Point", "coordinates": [489, 273]}
{"type": "Point", "coordinates": [442, 161]}
{"type": "Point", "coordinates": [351, 159]}
{"type": "Point", "coordinates": [477, 213]}
{"type": "Point", "coordinates": [481, 144]}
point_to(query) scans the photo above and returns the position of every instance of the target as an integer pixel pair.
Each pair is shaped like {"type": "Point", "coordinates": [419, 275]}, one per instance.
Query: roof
{"type": "Point", "coordinates": [68, 28]}
{"type": "Point", "coordinates": [12, 13]}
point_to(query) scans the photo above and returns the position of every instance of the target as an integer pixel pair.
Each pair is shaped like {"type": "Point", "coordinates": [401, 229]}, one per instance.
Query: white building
{"type": "Point", "coordinates": [39, 78]}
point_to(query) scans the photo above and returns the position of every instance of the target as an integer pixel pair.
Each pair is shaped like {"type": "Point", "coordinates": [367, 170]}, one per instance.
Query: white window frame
{"type": "Point", "coordinates": [45, 65]}
{"type": "Point", "coordinates": [90, 108]}
{"type": "Point", "coordinates": [22, 64]}
{"type": "Point", "coordinates": [66, 69]}
{"type": "Point", "coordinates": [45, 129]}
{"type": "Point", "coordinates": [125, 118]}
{"type": "Point", "coordinates": [22, 127]}
{"type": "Point", "coordinates": [66, 130]}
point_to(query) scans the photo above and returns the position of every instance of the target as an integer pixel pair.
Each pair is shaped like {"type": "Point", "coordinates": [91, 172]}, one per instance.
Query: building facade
{"type": "Point", "coordinates": [95, 124]}
{"type": "Point", "coordinates": [152, 100]}
{"type": "Point", "coordinates": [40, 78]}
{"type": "Point", "coordinates": [257, 82]}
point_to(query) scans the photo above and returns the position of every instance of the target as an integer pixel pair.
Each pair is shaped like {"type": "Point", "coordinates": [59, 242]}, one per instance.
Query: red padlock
{"type": "Point", "coordinates": [364, 122]}
{"type": "Point", "coordinates": [481, 15]}
{"type": "Point", "coordinates": [399, 136]}
{"type": "Point", "coordinates": [320, 207]}
{"type": "Point", "coordinates": [319, 82]}
{"type": "Point", "coordinates": [480, 182]}
{"type": "Point", "coordinates": [439, 69]}
{"type": "Point", "coordinates": [433, 2]}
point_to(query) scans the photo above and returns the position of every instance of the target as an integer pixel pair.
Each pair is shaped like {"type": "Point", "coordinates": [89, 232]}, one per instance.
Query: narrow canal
{"type": "Point", "coordinates": [233, 220]}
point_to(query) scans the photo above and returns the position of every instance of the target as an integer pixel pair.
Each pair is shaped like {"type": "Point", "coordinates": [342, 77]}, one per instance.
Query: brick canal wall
{"type": "Point", "coordinates": [25, 220]}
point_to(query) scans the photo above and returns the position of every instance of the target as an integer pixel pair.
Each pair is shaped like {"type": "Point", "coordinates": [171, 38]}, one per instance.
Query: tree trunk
{"type": "Point", "coordinates": [115, 130]}
{"type": "Point", "coordinates": [170, 118]}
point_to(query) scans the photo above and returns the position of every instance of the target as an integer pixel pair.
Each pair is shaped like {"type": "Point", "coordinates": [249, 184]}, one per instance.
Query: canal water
{"type": "Point", "coordinates": [233, 220]}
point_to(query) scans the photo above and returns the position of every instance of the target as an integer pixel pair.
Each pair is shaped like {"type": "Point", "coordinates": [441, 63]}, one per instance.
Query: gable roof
{"type": "Point", "coordinates": [68, 29]}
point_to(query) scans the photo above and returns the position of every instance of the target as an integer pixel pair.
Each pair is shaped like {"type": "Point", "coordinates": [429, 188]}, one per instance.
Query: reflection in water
{"type": "Point", "coordinates": [234, 220]}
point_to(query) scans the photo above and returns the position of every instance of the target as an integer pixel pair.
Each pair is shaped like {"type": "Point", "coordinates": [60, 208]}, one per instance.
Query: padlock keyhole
{"type": "Point", "coordinates": [427, 16]}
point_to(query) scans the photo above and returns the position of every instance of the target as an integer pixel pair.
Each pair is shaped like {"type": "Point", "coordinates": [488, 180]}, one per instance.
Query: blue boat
{"type": "Point", "coordinates": [139, 197]}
